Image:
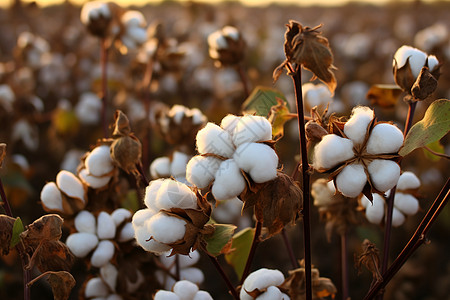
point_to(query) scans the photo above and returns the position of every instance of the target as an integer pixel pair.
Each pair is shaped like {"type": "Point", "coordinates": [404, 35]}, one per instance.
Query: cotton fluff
{"type": "Point", "coordinates": [260, 279]}
{"type": "Point", "coordinates": [202, 295]}
{"type": "Point", "coordinates": [120, 215]}
{"type": "Point", "coordinates": [178, 165]}
{"type": "Point", "coordinates": [88, 109]}
{"type": "Point", "coordinates": [103, 253]}
{"type": "Point", "coordinates": [215, 140]}
{"type": "Point", "coordinates": [200, 170]}
{"type": "Point", "coordinates": [185, 289]}
{"type": "Point", "coordinates": [92, 181]}
{"type": "Point", "coordinates": [165, 295]}
{"type": "Point", "coordinates": [316, 94]}
{"type": "Point", "coordinates": [384, 138]}
{"type": "Point", "coordinates": [432, 36]}
{"type": "Point", "coordinates": [229, 123]}
{"type": "Point", "coordinates": [408, 180]}
{"type": "Point", "coordinates": [374, 210]}
{"type": "Point", "coordinates": [432, 62]}
{"type": "Point", "coordinates": [7, 97]}
{"type": "Point", "coordinates": [406, 203]}
{"type": "Point", "coordinates": [172, 194]}
{"type": "Point", "coordinates": [322, 192]}
{"type": "Point", "coordinates": [259, 160]}
{"type": "Point", "coordinates": [228, 211]}
{"type": "Point", "coordinates": [166, 229]}
{"type": "Point", "coordinates": [417, 59]}
{"type": "Point", "coordinates": [142, 235]}
{"type": "Point", "coordinates": [332, 150]}
{"type": "Point", "coordinates": [106, 229]}
{"type": "Point", "coordinates": [351, 180]}
{"type": "Point", "coordinates": [251, 129]}
{"type": "Point", "coordinates": [397, 217]}
{"type": "Point", "coordinates": [95, 287]}
{"type": "Point", "coordinates": [99, 162]}
{"type": "Point", "coordinates": [229, 181]}
{"type": "Point", "coordinates": [151, 192]}
{"type": "Point", "coordinates": [135, 32]}
{"type": "Point", "coordinates": [81, 243]}
{"type": "Point", "coordinates": [127, 233]}
{"type": "Point", "coordinates": [51, 196]}
{"type": "Point", "coordinates": [85, 222]}
{"type": "Point", "coordinates": [70, 185]}
{"type": "Point", "coordinates": [384, 174]}
{"type": "Point", "coordinates": [109, 274]}
{"type": "Point", "coordinates": [355, 128]}
{"type": "Point", "coordinates": [160, 167]}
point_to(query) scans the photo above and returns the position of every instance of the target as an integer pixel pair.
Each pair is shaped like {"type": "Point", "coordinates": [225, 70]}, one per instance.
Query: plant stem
{"type": "Point", "coordinates": [296, 77]}
{"type": "Point", "coordinates": [144, 179]}
{"type": "Point", "coordinates": [251, 255]}
{"type": "Point", "coordinates": [289, 249]}
{"type": "Point", "coordinates": [104, 64]}
{"type": "Point", "coordinates": [410, 116]}
{"type": "Point", "coordinates": [436, 153]}
{"type": "Point", "coordinates": [224, 276]}
{"type": "Point", "coordinates": [244, 80]}
{"type": "Point", "coordinates": [344, 266]}
{"type": "Point", "coordinates": [418, 238]}
{"type": "Point", "coordinates": [146, 82]}
{"type": "Point", "coordinates": [177, 266]}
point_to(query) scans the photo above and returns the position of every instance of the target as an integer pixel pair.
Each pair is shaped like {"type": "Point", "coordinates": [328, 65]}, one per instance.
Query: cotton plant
{"type": "Point", "coordinates": [97, 167]}
{"type": "Point", "coordinates": [405, 202]}
{"type": "Point", "coordinates": [263, 284]}
{"type": "Point", "coordinates": [134, 32]}
{"type": "Point", "coordinates": [173, 166]}
{"type": "Point", "coordinates": [183, 290]}
{"type": "Point", "coordinates": [431, 37]}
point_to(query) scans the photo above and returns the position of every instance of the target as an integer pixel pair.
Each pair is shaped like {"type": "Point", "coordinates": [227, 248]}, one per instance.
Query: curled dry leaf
{"type": "Point", "coordinates": [2, 153]}
{"type": "Point", "coordinates": [278, 116]}
{"type": "Point", "coordinates": [53, 256]}
{"type": "Point", "coordinates": [6, 230]}
{"type": "Point", "coordinates": [370, 259]}
{"type": "Point", "coordinates": [424, 85]}
{"type": "Point", "coordinates": [384, 95]}
{"type": "Point", "coordinates": [46, 228]}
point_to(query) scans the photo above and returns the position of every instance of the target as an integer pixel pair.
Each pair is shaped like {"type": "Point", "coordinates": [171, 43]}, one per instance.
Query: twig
{"type": "Point", "coordinates": [142, 176]}
{"type": "Point", "coordinates": [224, 276]}
{"type": "Point", "coordinates": [436, 153]}
{"type": "Point", "coordinates": [177, 266]}
{"type": "Point", "coordinates": [251, 255]}
{"type": "Point", "coordinates": [244, 80]}
{"type": "Point", "coordinates": [289, 249]}
{"type": "Point", "coordinates": [104, 64]}
{"type": "Point", "coordinates": [344, 266]}
{"type": "Point", "coordinates": [146, 82]}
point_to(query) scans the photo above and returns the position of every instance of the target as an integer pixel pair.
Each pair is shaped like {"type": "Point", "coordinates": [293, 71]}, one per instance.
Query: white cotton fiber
{"type": "Point", "coordinates": [216, 40]}
{"type": "Point", "coordinates": [261, 279]}
{"type": "Point", "coordinates": [432, 62]}
{"type": "Point", "coordinates": [194, 275]}
{"type": "Point", "coordinates": [200, 170]}
{"type": "Point", "coordinates": [142, 216]}
{"type": "Point", "coordinates": [397, 217]}
{"type": "Point", "coordinates": [229, 123]}
{"type": "Point", "coordinates": [70, 185]}
{"type": "Point", "coordinates": [95, 287]}
{"type": "Point", "coordinates": [151, 192]}
{"type": "Point", "coordinates": [120, 215]}
{"type": "Point", "coordinates": [252, 129]}
{"type": "Point", "coordinates": [316, 94]}
{"type": "Point", "coordinates": [416, 57]}
{"type": "Point", "coordinates": [215, 140]}
{"type": "Point", "coordinates": [126, 233]}
{"type": "Point", "coordinates": [108, 273]}
{"type": "Point", "coordinates": [351, 180]}
{"type": "Point", "coordinates": [178, 165]}
{"type": "Point", "coordinates": [184, 261]}
{"type": "Point", "coordinates": [93, 10]}
{"type": "Point", "coordinates": [175, 194]}
{"type": "Point", "coordinates": [321, 193]}
{"type": "Point", "coordinates": [229, 181]}
{"type": "Point", "coordinates": [85, 222]}
{"type": "Point", "coordinates": [384, 138]}
{"type": "Point", "coordinates": [202, 295]}
{"type": "Point", "coordinates": [103, 254]}
{"type": "Point", "coordinates": [143, 236]}
{"type": "Point", "coordinates": [259, 160]}
{"type": "Point", "coordinates": [374, 210]}
{"type": "Point", "coordinates": [88, 109]}
{"type": "Point", "coordinates": [272, 293]}
{"type": "Point", "coordinates": [106, 229]}
{"type": "Point", "coordinates": [160, 167]}
{"type": "Point", "coordinates": [166, 229]}
{"type": "Point", "coordinates": [231, 32]}
{"type": "Point", "coordinates": [99, 161]}
{"type": "Point", "coordinates": [51, 197]}
{"type": "Point", "coordinates": [356, 127]}
{"type": "Point", "coordinates": [81, 243]}
{"type": "Point", "coordinates": [92, 181]}
{"type": "Point", "coordinates": [112, 297]}
{"type": "Point", "coordinates": [165, 295]}
{"type": "Point", "coordinates": [331, 151]}
{"type": "Point", "coordinates": [185, 289]}
{"type": "Point", "coordinates": [408, 180]}
{"type": "Point", "coordinates": [406, 203]}
{"type": "Point", "coordinates": [384, 174]}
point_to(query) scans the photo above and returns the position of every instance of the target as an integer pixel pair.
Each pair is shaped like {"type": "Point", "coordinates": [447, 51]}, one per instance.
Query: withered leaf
{"type": "Point", "coordinates": [370, 259]}
{"type": "Point", "coordinates": [53, 256]}
{"type": "Point", "coordinates": [2, 153]}
{"type": "Point", "coordinates": [279, 115]}
{"type": "Point", "coordinates": [424, 85]}
{"type": "Point", "coordinates": [46, 228]}
{"type": "Point", "coordinates": [62, 283]}
{"type": "Point", "coordinates": [384, 95]}
{"type": "Point", "coordinates": [403, 76]}
{"type": "Point", "coordinates": [6, 229]}
{"type": "Point", "coordinates": [121, 124]}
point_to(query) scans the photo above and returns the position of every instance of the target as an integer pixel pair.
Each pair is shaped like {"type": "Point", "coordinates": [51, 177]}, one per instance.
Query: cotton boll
{"type": "Point", "coordinates": [351, 180]}
{"type": "Point", "coordinates": [109, 274]}
{"type": "Point", "coordinates": [259, 160]}
{"type": "Point", "coordinates": [103, 254]}
{"type": "Point", "coordinates": [106, 229]}
{"type": "Point", "coordinates": [374, 210]}
{"type": "Point", "coordinates": [85, 222]}
{"type": "Point", "coordinates": [272, 293]}
{"type": "Point", "coordinates": [406, 203]}
{"type": "Point", "coordinates": [384, 138]}
{"type": "Point", "coordinates": [160, 167]}
{"type": "Point", "coordinates": [384, 174]}
{"type": "Point", "coordinates": [127, 233]}
{"type": "Point", "coordinates": [408, 180]}
{"type": "Point", "coordinates": [197, 116]}
{"type": "Point", "coordinates": [177, 112]}
{"type": "Point", "coordinates": [166, 229]}
{"type": "Point", "coordinates": [95, 287]}
{"type": "Point", "coordinates": [70, 185]}
{"type": "Point", "coordinates": [194, 275]}
{"type": "Point", "coordinates": [81, 243]}
{"type": "Point", "coordinates": [88, 109]}
{"type": "Point", "coordinates": [202, 295]}
{"type": "Point", "coordinates": [113, 297]}
{"type": "Point", "coordinates": [142, 216]}
{"type": "Point", "coordinates": [416, 58]}
{"type": "Point", "coordinates": [185, 289]}
{"type": "Point", "coordinates": [92, 181]}
{"type": "Point", "coordinates": [165, 295]}
{"type": "Point", "coordinates": [356, 127]}
{"type": "Point", "coordinates": [252, 129]}
{"type": "Point", "coordinates": [397, 218]}
{"type": "Point", "coordinates": [166, 281]}
{"type": "Point", "coordinates": [179, 162]}
{"type": "Point", "coordinates": [215, 140]}
{"type": "Point", "coordinates": [261, 279]}
{"type": "Point", "coordinates": [184, 261]}
{"type": "Point", "coordinates": [120, 215]}
{"type": "Point", "coordinates": [175, 194]}
{"type": "Point", "coordinates": [229, 123]}
{"type": "Point", "coordinates": [332, 150]}
{"type": "Point", "coordinates": [51, 197]}
{"type": "Point", "coordinates": [143, 236]}
{"type": "Point", "coordinates": [229, 181]}
{"type": "Point", "coordinates": [99, 161]}
{"type": "Point", "coordinates": [432, 62]}
{"type": "Point", "coordinates": [151, 192]}
{"type": "Point", "coordinates": [200, 170]}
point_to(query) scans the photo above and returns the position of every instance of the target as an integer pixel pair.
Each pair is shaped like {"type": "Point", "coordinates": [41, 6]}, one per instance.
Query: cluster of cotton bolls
{"type": "Point", "coordinates": [186, 269]}
{"type": "Point", "coordinates": [134, 32]}
{"type": "Point", "coordinates": [230, 148]}
{"type": "Point", "coordinates": [334, 150]}
{"type": "Point", "coordinates": [183, 290]}
{"type": "Point", "coordinates": [405, 204]}
{"type": "Point", "coordinates": [218, 40]}
{"type": "Point", "coordinates": [416, 58]}
{"type": "Point", "coordinates": [96, 234]}
{"type": "Point", "coordinates": [33, 47]}
{"type": "Point", "coordinates": [319, 95]}
{"type": "Point", "coordinates": [174, 166]}
{"type": "Point", "coordinates": [267, 282]}
{"type": "Point", "coordinates": [154, 229]}
{"type": "Point", "coordinates": [98, 168]}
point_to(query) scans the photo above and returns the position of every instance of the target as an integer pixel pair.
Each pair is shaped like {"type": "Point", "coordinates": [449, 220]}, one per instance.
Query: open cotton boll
{"type": "Point", "coordinates": [355, 128]}
{"type": "Point", "coordinates": [160, 167]}
{"type": "Point", "coordinates": [88, 109]}
{"type": "Point", "coordinates": [94, 10]}
{"type": "Point", "coordinates": [351, 180]}
{"type": "Point", "coordinates": [332, 150]}
{"type": "Point", "coordinates": [384, 174]}
{"type": "Point", "coordinates": [226, 211]}
{"type": "Point", "coordinates": [406, 203]}
{"type": "Point", "coordinates": [384, 138]}
{"type": "Point", "coordinates": [374, 210]}
{"type": "Point", "coordinates": [103, 254]}
{"type": "Point", "coordinates": [175, 194]}
{"type": "Point", "coordinates": [416, 57]}
{"type": "Point", "coordinates": [142, 216]}
{"type": "Point", "coordinates": [184, 261]}
{"type": "Point", "coordinates": [166, 295]}
{"type": "Point", "coordinates": [200, 170]}
{"type": "Point", "coordinates": [252, 129]}
{"type": "Point", "coordinates": [133, 18]}
{"type": "Point", "coordinates": [177, 112]}
{"type": "Point", "coordinates": [231, 32]}
{"type": "Point", "coordinates": [432, 62]}
{"type": "Point", "coordinates": [95, 287]}
{"type": "Point", "coordinates": [179, 162]}
{"type": "Point", "coordinates": [70, 185]}
{"type": "Point", "coordinates": [397, 217]}
{"type": "Point", "coordinates": [202, 295]}
{"type": "Point", "coordinates": [151, 193]}
{"type": "Point", "coordinates": [408, 180]}
{"type": "Point", "coordinates": [194, 275]}
{"type": "Point", "coordinates": [261, 279]}
{"type": "Point", "coordinates": [109, 273]}
{"type": "Point", "coordinates": [321, 193]}
{"type": "Point", "coordinates": [185, 289]}
{"type": "Point", "coordinates": [166, 229]}
{"type": "Point", "coordinates": [106, 229]}
{"type": "Point", "coordinates": [81, 243]}
{"type": "Point", "coordinates": [126, 233]}
{"type": "Point", "coordinates": [272, 293]}
{"type": "Point", "coordinates": [216, 40]}
{"type": "Point", "coordinates": [92, 181]}
{"type": "Point", "coordinates": [197, 116]}
{"type": "Point", "coordinates": [316, 94]}
{"type": "Point", "coordinates": [215, 140]}
{"type": "Point", "coordinates": [143, 236]}
{"type": "Point", "coordinates": [85, 222]}
{"type": "Point", "coordinates": [51, 196]}
{"type": "Point", "coordinates": [99, 161]}
{"type": "Point", "coordinates": [229, 123]}
{"type": "Point", "coordinates": [259, 160]}
{"type": "Point", "coordinates": [120, 215]}
{"type": "Point", "coordinates": [228, 182]}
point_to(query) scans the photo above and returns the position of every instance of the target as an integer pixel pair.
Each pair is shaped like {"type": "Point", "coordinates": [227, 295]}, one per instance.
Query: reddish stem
{"type": "Point", "coordinates": [244, 80]}
{"type": "Point", "coordinates": [224, 276]}
{"type": "Point", "coordinates": [251, 255]}
{"type": "Point", "coordinates": [104, 64]}
{"type": "Point", "coordinates": [344, 266]}
{"type": "Point", "coordinates": [289, 249]}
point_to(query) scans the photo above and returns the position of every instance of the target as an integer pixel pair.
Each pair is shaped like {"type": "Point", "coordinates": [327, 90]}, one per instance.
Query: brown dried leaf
{"type": "Point", "coordinates": [403, 76]}
{"type": "Point", "coordinates": [121, 125]}
{"type": "Point", "coordinates": [384, 95]}
{"type": "Point", "coordinates": [53, 256]}
{"type": "Point", "coordinates": [370, 259]}
{"type": "Point", "coordinates": [424, 85]}
{"type": "Point", "coordinates": [278, 116]}
{"type": "Point", "coordinates": [46, 228]}
{"type": "Point", "coordinates": [6, 230]}
{"type": "Point", "coordinates": [62, 283]}
{"type": "Point", "coordinates": [2, 153]}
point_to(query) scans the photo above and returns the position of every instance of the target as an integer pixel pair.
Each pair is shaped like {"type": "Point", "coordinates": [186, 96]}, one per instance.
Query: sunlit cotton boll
{"type": "Point", "coordinates": [202, 295]}
{"type": "Point", "coordinates": [70, 185]}
{"type": "Point", "coordinates": [51, 197]}
{"type": "Point", "coordinates": [178, 165]}
{"type": "Point", "coordinates": [229, 181]}
{"type": "Point", "coordinates": [201, 170]}
{"type": "Point", "coordinates": [351, 180]}
{"type": "Point", "coordinates": [261, 279]}
{"type": "Point", "coordinates": [166, 229]}
{"type": "Point", "coordinates": [355, 128]}
{"type": "Point", "coordinates": [259, 160]}
{"type": "Point", "coordinates": [229, 123]}
{"type": "Point", "coordinates": [332, 150]}
{"type": "Point", "coordinates": [120, 215]}
{"type": "Point", "coordinates": [406, 203]}
{"type": "Point", "coordinates": [374, 210]}
{"type": "Point", "coordinates": [85, 222]}
{"type": "Point", "coordinates": [431, 37]}
{"type": "Point", "coordinates": [143, 236]}
{"type": "Point", "coordinates": [417, 59]}
{"type": "Point", "coordinates": [185, 289]}
{"type": "Point", "coordinates": [151, 192]}
{"type": "Point", "coordinates": [432, 62]}
{"type": "Point", "coordinates": [166, 295]}
{"type": "Point", "coordinates": [384, 174]}
{"type": "Point", "coordinates": [99, 162]}
{"type": "Point", "coordinates": [108, 273]}
{"type": "Point", "coordinates": [94, 10]}
{"type": "Point", "coordinates": [135, 32]}
{"type": "Point", "coordinates": [81, 243]}
{"type": "Point", "coordinates": [88, 109]}
{"type": "Point", "coordinates": [106, 229]}
{"type": "Point", "coordinates": [408, 180]}
{"type": "Point", "coordinates": [316, 95]}
{"type": "Point", "coordinates": [126, 233]}
{"type": "Point", "coordinates": [215, 140]}
{"type": "Point", "coordinates": [92, 181]}
{"type": "Point", "coordinates": [103, 253]}
{"type": "Point", "coordinates": [252, 129]}
{"type": "Point", "coordinates": [397, 217]}
{"type": "Point", "coordinates": [175, 194]}
{"type": "Point", "coordinates": [160, 167]}
{"type": "Point", "coordinates": [384, 138]}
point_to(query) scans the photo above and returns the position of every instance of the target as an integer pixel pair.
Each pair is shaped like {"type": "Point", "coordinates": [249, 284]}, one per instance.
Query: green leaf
{"type": "Point", "coordinates": [261, 101]}
{"type": "Point", "coordinates": [279, 115]}
{"type": "Point", "coordinates": [219, 241]}
{"type": "Point", "coordinates": [434, 125]}
{"type": "Point", "coordinates": [130, 201]}
{"type": "Point", "coordinates": [17, 230]}
{"type": "Point", "coordinates": [240, 249]}
{"type": "Point", "coordinates": [436, 146]}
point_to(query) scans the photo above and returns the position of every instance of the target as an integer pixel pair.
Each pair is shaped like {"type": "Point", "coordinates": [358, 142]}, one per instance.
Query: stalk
{"type": "Point", "coordinates": [251, 255]}
{"type": "Point", "coordinates": [224, 276]}
{"type": "Point", "coordinates": [289, 249]}
{"type": "Point", "coordinates": [104, 64]}
{"type": "Point", "coordinates": [344, 266]}
{"type": "Point", "coordinates": [244, 80]}
{"type": "Point", "coordinates": [147, 101]}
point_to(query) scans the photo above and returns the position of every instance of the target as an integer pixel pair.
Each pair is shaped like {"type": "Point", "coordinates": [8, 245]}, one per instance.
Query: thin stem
{"type": "Point", "coordinates": [224, 277]}
{"type": "Point", "coordinates": [244, 80]}
{"type": "Point", "coordinates": [436, 153]}
{"type": "Point", "coordinates": [289, 249]}
{"type": "Point", "coordinates": [410, 116]}
{"type": "Point", "coordinates": [251, 255]}
{"type": "Point", "coordinates": [142, 176]}
{"type": "Point", "coordinates": [147, 101]}
{"type": "Point", "coordinates": [177, 266]}
{"type": "Point", "coordinates": [104, 64]}
{"type": "Point", "coordinates": [344, 266]}
{"type": "Point", "coordinates": [296, 77]}
{"type": "Point", "coordinates": [418, 238]}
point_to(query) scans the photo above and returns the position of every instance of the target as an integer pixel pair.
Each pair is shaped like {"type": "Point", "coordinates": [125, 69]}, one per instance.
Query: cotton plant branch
{"type": "Point", "coordinates": [104, 97]}
{"type": "Point", "coordinates": [251, 255]}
